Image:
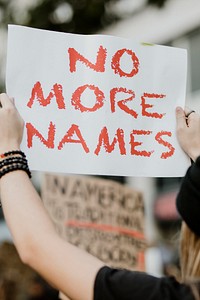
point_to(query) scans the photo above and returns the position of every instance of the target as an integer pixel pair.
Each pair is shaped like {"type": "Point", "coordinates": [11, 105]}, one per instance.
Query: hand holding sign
{"type": "Point", "coordinates": [97, 104]}
{"type": "Point", "coordinates": [188, 125]}
{"type": "Point", "coordinates": [11, 125]}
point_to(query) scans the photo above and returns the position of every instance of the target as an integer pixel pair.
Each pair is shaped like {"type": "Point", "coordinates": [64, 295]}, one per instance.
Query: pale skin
{"type": "Point", "coordinates": [188, 132]}
{"type": "Point", "coordinates": [66, 267]}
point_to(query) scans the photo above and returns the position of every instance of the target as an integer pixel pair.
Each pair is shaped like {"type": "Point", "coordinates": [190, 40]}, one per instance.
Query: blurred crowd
{"type": "Point", "coordinates": [18, 281]}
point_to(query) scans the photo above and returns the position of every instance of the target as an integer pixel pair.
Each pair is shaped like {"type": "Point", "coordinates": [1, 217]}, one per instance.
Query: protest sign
{"type": "Point", "coordinates": [100, 216]}
{"type": "Point", "coordinates": [97, 104]}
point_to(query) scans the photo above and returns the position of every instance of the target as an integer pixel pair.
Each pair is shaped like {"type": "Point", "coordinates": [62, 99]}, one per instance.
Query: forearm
{"type": "Point", "coordinates": [68, 268]}
{"type": "Point", "coordinates": [23, 210]}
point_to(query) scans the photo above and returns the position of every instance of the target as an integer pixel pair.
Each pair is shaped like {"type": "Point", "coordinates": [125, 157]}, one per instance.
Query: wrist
{"type": "Point", "coordinates": [8, 149]}
{"type": "Point", "coordinates": [13, 161]}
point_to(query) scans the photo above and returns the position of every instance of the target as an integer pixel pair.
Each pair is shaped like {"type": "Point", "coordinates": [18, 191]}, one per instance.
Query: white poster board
{"type": "Point", "coordinates": [97, 104]}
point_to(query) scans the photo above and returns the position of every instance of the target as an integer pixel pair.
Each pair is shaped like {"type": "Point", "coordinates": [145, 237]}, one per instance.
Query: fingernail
{"type": "Point", "coordinates": [178, 109]}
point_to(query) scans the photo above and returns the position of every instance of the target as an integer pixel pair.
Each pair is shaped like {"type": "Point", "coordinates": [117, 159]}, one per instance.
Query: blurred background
{"type": "Point", "coordinates": [173, 23]}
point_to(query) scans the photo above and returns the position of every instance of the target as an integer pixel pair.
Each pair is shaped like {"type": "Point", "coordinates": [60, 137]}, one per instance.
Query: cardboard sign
{"type": "Point", "coordinates": [97, 104]}
{"type": "Point", "coordinates": [100, 216]}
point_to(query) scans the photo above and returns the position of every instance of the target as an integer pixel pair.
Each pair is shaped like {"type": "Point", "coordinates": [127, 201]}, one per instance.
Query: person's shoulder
{"type": "Point", "coordinates": [120, 284]}
{"type": "Point", "coordinates": [177, 289]}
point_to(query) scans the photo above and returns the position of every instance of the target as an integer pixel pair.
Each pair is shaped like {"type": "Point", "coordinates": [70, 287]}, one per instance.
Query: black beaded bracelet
{"type": "Point", "coordinates": [15, 167]}
{"type": "Point", "coordinates": [11, 153]}
{"type": "Point", "coordinates": [11, 160]}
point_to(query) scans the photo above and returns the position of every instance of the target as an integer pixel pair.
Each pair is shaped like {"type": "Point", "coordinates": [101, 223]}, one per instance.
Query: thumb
{"type": "Point", "coordinates": [180, 117]}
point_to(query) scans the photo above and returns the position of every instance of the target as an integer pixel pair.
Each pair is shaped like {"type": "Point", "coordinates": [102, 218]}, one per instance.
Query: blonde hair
{"type": "Point", "coordinates": [190, 259]}
{"type": "Point", "coordinates": [189, 254]}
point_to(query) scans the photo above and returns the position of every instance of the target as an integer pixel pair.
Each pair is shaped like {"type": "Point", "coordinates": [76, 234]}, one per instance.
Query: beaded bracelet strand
{"type": "Point", "coordinates": [11, 153]}
{"type": "Point", "coordinates": [15, 159]}
{"type": "Point", "coordinates": [15, 167]}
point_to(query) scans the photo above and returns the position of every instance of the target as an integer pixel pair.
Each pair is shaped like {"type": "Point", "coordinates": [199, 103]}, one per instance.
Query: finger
{"type": "Point", "coordinates": [187, 110]}
{"type": "Point", "coordinates": [5, 101]}
{"type": "Point", "coordinates": [180, 117]}
{"type": "Point", "coordinates": [13, 101]}
{"type": "Point", "coordinates": [193, 118]}
{"type": "Point", "coordinates": [191, 112]}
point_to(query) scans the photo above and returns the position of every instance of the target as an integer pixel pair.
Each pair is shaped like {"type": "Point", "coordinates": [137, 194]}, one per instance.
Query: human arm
{"type": "Point", "coordinates": [66, 267]}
